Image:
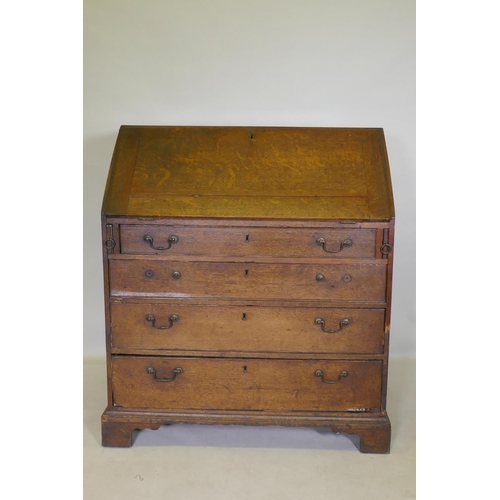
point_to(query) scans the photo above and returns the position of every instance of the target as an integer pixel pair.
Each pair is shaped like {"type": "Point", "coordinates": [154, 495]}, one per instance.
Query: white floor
{"type": "Point", "coordinates": [189, 462]}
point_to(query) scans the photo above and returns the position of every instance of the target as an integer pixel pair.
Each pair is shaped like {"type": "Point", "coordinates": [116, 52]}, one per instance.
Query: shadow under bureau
{"type": "Point", "coordinates": [247, 275]}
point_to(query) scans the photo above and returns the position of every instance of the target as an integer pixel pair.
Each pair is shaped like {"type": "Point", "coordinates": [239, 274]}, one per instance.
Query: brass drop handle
{"type": "Point", "coordinates": [171, 240]}
{"type": "Point", "coordinates": [342, 374]}
{"type": "Point", "coordinates": [342, 323]}
{"type": "Point", "coordinates": [345, 244]}
{"type": "Point", "coordinates": [175, 372]}
{"type": "Point", "coordinates": [152, 319]}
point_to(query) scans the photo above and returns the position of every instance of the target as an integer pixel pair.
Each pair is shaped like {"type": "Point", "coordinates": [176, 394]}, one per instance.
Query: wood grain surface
{"type": "Point", "coordinates": [240, 329]}
{"type": "Point", "coordinates": [248, 241]}
{"type": "Point", "coordinates": [249, 172]}
{"type": "Point", "coordinates": [154, 278]}
{"type": "Point", "coordinates": [250, 384]}
{"type": "Point", "coordinates": [230, 305]}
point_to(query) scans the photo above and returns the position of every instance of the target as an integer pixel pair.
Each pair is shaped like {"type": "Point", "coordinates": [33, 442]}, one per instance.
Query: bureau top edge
{"type": "Point", "coordinates": [250, 173]}
{"type": "Point", "coordinates": [246, 222]}
{"type": "Point", "coordinates": [241, 221]}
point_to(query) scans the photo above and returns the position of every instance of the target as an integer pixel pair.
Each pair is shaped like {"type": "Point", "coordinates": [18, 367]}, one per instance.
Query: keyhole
{"type": "Point", "coordinates": [252, 136]}
{"type": "Point", "coordinates": [244, 317]}
{"type": "Point", "coordinates": [246, 272]}
{"type": "Point", "coordinates": [247, 237]}
{"type": "Point", "coordinates": [245, 369]}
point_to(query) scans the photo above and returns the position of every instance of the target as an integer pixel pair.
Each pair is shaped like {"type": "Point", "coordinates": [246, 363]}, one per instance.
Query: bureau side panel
{"type": "Point", "coordinates": [389, 239]}
{"type": "Point", "coordinates": [121, 172]}
{"type": "Point", "coordinates": [109, 232]}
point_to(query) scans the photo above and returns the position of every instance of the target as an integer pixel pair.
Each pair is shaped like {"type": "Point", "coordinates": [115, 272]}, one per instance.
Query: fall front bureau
{"type": "Point", "coordinates": [247, 275]}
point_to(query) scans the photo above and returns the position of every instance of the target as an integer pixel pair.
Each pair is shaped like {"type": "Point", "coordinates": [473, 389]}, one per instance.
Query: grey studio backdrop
{"type": "Point", "coordinates": [332, 63]}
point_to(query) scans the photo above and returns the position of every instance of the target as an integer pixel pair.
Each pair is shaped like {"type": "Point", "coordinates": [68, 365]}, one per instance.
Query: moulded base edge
{"type": "Point", "coordinates": [374, 430]}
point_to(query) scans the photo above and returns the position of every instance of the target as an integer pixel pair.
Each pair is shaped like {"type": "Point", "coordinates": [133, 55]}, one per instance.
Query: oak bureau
{"type": "Point", "coordinates": [247, 275]}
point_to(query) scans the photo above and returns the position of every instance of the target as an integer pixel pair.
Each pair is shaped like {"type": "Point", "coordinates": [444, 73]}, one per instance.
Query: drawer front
{"type": "Point", "coordinates": [253, 384]}
{"type": "Point", "coordinates": [241, 241]}
{"type": "Point", "coordinates": [170, 278]}
{"type": "Point", "coordinates": [251, 329]}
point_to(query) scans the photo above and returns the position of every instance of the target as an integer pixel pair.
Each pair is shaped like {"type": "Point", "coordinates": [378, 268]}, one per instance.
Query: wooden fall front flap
{"type": "Point", "coordinates": [250, 172]}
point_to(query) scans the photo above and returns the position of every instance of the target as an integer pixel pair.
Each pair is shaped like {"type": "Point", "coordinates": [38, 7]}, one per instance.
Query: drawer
{"type": "Point", "coordinates": [170, 278]}
{"type": "Point", "coordinates": [252, 384]}
{"type": "Point", "coordinates": [241, 241]}
{"type": "Point", "coordinates": [252, 328]}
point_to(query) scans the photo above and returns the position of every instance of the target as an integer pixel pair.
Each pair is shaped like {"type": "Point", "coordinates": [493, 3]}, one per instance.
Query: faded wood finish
{"type": "Point", "coordinates": [247, 280]}
{"type": "Point", "coordinates": [241, 329]}
{"type": "Point", "coordinates": [248, 242]}
{"type": "Point", "coordinates": [119, 434]}
{"type": "Point", "coordinates": [246, 206]}
{"type": "Point", "coordinates": [247, 222]}
{"type": "Point", "coordinates": [255, 172]}
{"type": "Point", "coordinates": [250, 384]}
{"type": "Point", "coordinates": [207, 301]}
{"type": "Point", "coordinates": [121, 171]}
{"type": "Point", "coordinates": [373, 429]}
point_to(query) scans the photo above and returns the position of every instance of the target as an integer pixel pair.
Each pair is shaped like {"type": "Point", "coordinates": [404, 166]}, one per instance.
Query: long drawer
{"type": "Point", "coordinates": [247, 241]}
{"type": "Point", "coordinates": [182, 326]}
{"type": "Point", "coordinates": [183, 279]}
{"type": "Point", "coordinates": [235, 384]}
